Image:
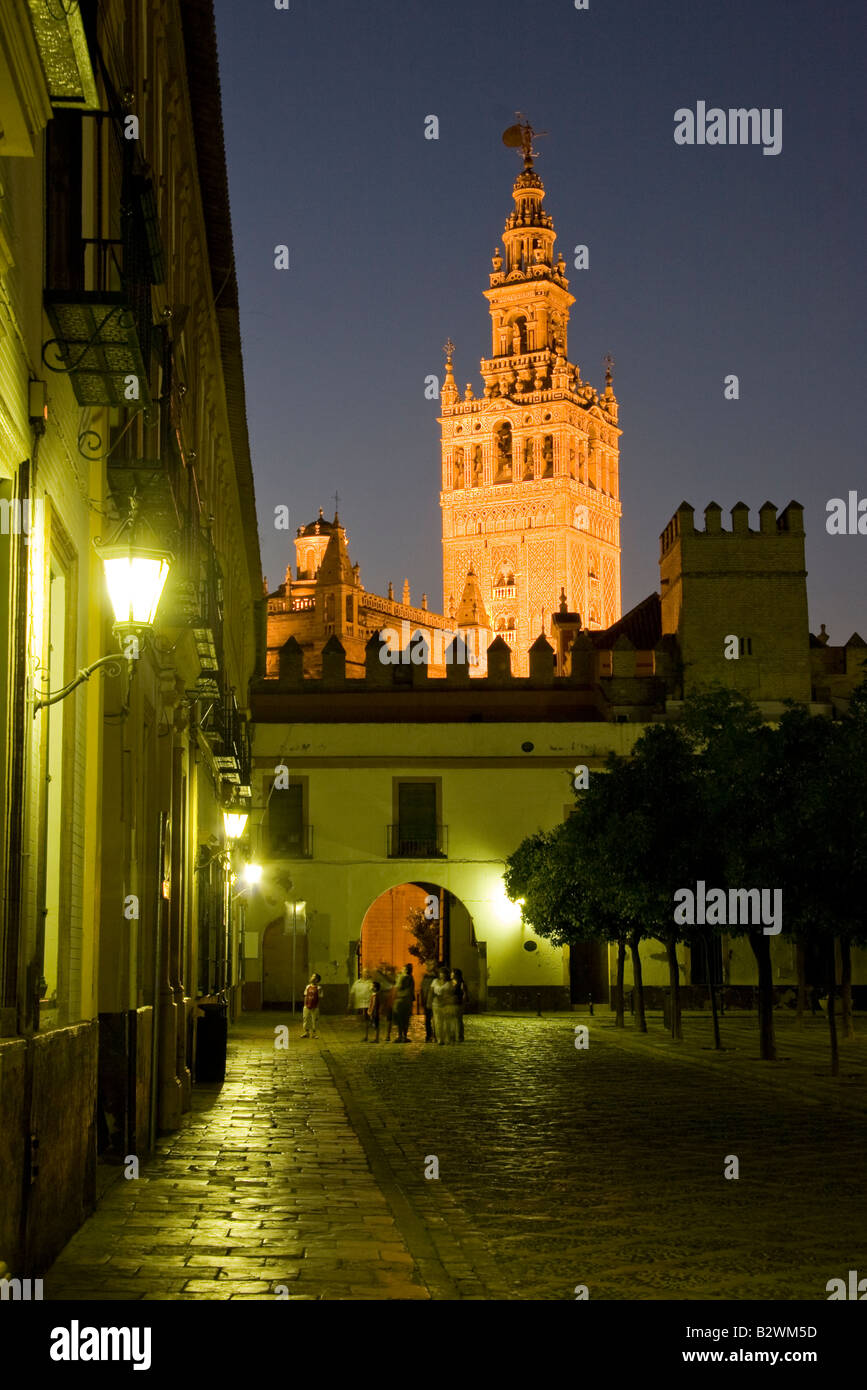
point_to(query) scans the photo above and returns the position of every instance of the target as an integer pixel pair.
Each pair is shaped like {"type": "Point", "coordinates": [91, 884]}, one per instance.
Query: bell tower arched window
{"type": "Point", "coordinates": [503, 452]}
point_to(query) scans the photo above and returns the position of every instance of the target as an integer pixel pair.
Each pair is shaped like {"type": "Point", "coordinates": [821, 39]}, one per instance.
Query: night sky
{"type": "Point", "coordinates": [704, 261]}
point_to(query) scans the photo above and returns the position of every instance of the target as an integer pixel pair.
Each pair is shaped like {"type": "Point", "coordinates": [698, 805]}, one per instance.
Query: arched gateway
{"type": "Point", "coordinates": [443, 929]}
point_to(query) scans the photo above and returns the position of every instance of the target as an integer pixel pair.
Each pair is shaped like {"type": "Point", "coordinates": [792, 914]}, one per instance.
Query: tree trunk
{"type": "Point", "coordinates": [801, 962]}
{"type": "Point", "coordinates": [638, 982]}
{"type": "Point", "coordinates": [832, 1011]}
{"type": "Point", "coordinates": [621, 962]}
{"type": "Point", "coordinates": [846, 986]}
{"type": "Point", "coordinates": [674, 990]}
{"type": "Point", "coordinates": [712, 992]}
{"type": "Point", "coordinates": [762, 952]}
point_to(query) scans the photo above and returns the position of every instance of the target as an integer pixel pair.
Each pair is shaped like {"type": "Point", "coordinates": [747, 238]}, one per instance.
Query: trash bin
{"type": "Point", "coordinates": [212, 1034]}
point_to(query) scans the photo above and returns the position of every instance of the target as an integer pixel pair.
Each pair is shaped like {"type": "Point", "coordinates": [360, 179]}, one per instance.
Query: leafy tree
{"type": "Point", "coordinates": [426, 933]}
{"type": "Point", "coordinates": [733, 756]}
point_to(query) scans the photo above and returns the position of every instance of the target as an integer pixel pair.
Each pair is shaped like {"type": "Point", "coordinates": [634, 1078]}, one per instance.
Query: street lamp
{"type": "Point", "coordinates": [252, 874]}
{"type": "Point", "coordinates": [234, 822]}
{"type": "Point", "coordinates": [135, 575]}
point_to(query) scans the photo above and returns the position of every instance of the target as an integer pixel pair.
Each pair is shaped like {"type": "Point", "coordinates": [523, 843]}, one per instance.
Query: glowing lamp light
{"type": "Point", "coordinates": [135, 574]}
{"type": "Point", "coordinates": [235, 823]}
{"type": "Point", "coordinates": [252, 874]}
{"type": "Point", "coordinates": [135, 584]}
{"type": "Point", "coordinates": [509, 912]}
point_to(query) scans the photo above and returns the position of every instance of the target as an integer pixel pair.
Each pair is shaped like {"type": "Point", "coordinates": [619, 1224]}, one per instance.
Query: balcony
{"type": "Point", "coordinates": [403, 844]}
{"type": "Point", "coordinates": [194, 601]}
{"type": "Point", "coordinates": [294, 843]}
{"type": "Point", "coordinates": [151, 481]}
{"type": "Point", "coordinates": [229, 739]}
{"type": "Point", "coordinates": [97, 342]}
{"type": "Point", "coordinates": [64, 54]}
{"type": "Point", "coordinates": [504, 591]}
{"type": "Point", "coordinates": [98, 288]}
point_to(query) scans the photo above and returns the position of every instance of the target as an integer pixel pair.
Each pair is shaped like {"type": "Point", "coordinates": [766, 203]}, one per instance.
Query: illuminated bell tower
{"type": "Point", "coordinates": [530, 491]}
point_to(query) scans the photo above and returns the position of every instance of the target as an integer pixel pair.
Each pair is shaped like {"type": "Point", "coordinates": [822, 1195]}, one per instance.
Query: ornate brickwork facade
{"type": "Point", "coordinates": [530, 487]}
{"type": "Point", "coordinates": [327, 600]}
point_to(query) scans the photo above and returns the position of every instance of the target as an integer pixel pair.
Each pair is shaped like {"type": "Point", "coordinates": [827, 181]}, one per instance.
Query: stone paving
{"type": "Point", "coordinates": [265, 1185]}
{"type": "Point", "coordinates": [557, 1167]}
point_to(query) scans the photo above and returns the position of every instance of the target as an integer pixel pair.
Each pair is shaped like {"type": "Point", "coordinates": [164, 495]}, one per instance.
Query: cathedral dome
{"type": "Point", "coordinates": [319, 527]}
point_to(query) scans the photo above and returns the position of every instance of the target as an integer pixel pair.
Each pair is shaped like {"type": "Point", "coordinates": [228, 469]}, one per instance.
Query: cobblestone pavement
{"type": "Point", "coordinates": [557, 1167]}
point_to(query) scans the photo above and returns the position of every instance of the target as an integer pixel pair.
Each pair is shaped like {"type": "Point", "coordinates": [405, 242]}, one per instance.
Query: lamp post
{"type": "Point", "coordinates": [135, 575]}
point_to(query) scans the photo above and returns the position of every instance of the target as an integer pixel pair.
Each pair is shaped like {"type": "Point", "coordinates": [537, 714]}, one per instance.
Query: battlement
{"type": "Point", "coordinates": [789, 523]}
{"type": "Point", "coordinates": [588, 681]}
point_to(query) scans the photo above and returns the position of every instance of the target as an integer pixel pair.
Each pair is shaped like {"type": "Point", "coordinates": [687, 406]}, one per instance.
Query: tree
{"type": "Point", "coordinates": [733, 755]}
{"type": "Point", "coordinates": [654, 796]}
{"type": "Point", "coordinates": [426, 933]}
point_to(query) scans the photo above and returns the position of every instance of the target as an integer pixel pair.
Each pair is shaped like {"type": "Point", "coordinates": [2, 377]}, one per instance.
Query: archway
{"type": "Point", "coordinates": [386, 938]}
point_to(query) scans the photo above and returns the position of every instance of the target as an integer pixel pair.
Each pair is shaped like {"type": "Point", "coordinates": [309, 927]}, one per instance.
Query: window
{"type": "Point", "coordinates": [64, 248]}
{"type": "Point", "coordinates": [417, 830]}
{"type": "Point", "coordinates": [289, 835]}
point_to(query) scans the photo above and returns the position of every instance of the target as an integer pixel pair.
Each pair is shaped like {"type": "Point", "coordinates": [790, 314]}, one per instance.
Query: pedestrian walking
{"type": "Point", "coordinates": [461, 1000]}
{"type": "Point", "coordinates": [373, 1009]}
{"type": "Point", "coordinates": [447, 1028]}
{"type": "Point", "coordinates": [404, 995]}
{"type": "Point", "coordinates": [310, 1011]}
{"type": "Point", "coordinates": [386, 1002]}
{"type": "Point", "coordinates": [359, 1000]}
{"type": "Point", "coordinates": [428, 981]}
{"type": "Point", "coordinates": [439, 984]}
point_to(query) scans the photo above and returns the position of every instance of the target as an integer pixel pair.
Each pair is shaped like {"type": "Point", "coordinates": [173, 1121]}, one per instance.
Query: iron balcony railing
{"type": "Point", "coordinates": [229, 738]}
{"type": "Point", "coordinates": [294, 843]}
{"type": "Point", "coordinates": [405, 844]}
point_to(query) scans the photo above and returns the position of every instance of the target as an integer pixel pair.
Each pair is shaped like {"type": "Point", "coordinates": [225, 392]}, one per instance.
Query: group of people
{"type": "Point", "coordinates": [443, 997]}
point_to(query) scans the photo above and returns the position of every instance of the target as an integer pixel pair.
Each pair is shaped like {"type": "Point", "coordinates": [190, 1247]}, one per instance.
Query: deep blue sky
{"type": "Point", "coordinates": [703, 261]}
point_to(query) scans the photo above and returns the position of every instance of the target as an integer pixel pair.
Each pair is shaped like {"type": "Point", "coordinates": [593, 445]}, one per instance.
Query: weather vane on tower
{"type": "Point", "coordinates": [521, 137]}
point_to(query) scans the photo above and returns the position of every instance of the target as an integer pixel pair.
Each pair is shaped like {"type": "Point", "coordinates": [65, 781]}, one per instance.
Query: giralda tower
{"type": "Point", "coordinates": [530, 495]}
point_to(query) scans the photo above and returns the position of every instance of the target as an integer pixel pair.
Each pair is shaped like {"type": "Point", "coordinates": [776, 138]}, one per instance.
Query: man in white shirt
{"type": "Point", "coordinates": [359, 999]}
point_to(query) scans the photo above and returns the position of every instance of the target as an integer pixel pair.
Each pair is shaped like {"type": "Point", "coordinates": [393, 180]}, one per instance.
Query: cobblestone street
{"type": "Point", "coordinates": [557, 1167]}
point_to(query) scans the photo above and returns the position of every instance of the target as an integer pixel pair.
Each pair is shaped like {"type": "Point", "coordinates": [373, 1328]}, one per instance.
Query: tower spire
{"type": "Point", "coordinates": [449, 393]}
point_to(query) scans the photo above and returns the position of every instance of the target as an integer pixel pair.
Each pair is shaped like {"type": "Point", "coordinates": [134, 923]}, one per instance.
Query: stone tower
{"type": "Point", "coordinates": [737, 600]}
{"type": "Point", "coordinates": [530, 493]}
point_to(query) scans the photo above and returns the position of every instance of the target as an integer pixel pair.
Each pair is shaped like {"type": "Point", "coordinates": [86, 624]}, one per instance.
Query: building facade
{"type": "Point", "coordinates": [374, 797]}
{"type": "Point", "coordinates": [121, 408]}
